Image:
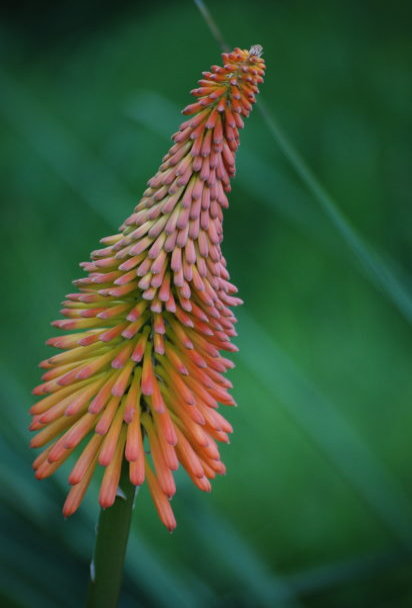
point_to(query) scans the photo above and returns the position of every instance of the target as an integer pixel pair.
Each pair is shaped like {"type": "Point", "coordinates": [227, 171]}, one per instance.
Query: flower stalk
{"type": "Point", "coordinates": [112, 533]}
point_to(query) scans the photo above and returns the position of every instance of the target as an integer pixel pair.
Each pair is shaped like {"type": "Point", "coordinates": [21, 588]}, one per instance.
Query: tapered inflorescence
{"type": "Point", "coordinates": [141, 376]}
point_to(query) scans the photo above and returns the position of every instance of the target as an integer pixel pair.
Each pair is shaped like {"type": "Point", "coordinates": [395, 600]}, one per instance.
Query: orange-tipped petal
{"type": "Point", "coordinates": [160, 500]}
{"type": "Point", "coordinates": [134, 443]}
{"type": "Point", "coordinates": [77, 492]}
{"type": "Point", "coordinates": [86, 458]}
{"type": "Point", "coordinates": [111, 439]}
{"type": "Point", "coordinates": [111, 477]}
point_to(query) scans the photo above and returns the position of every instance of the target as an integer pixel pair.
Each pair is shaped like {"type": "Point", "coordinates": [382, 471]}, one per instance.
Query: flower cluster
{"type": "Point", "coordinates": [141, 375]}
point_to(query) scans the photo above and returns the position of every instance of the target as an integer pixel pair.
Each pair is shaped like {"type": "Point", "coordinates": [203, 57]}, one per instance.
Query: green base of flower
{"type": "Point", "coordinates": [106, 571]}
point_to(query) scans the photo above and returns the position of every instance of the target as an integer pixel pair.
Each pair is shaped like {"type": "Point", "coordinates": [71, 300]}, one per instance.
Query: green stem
{"type": "Point", "coordinates": [112, 534]}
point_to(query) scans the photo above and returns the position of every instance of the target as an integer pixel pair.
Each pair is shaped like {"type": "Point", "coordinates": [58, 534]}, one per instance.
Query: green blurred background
{"type": "Point", "coordinates": [316, 509]}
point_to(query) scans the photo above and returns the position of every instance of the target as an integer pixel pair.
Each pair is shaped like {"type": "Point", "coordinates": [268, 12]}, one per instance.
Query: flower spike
{"type": "Point", "coordinates": [140, 374]}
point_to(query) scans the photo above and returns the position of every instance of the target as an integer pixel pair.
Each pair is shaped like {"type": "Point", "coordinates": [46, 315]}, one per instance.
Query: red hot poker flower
{"type": "Point", "coordinates": [151, 317]}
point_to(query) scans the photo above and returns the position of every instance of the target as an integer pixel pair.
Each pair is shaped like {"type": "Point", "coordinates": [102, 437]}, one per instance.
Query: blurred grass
{"type": "Point", "coordinates": [315, 509]}
{"type": "Point", "coordinates": [376, 269]}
